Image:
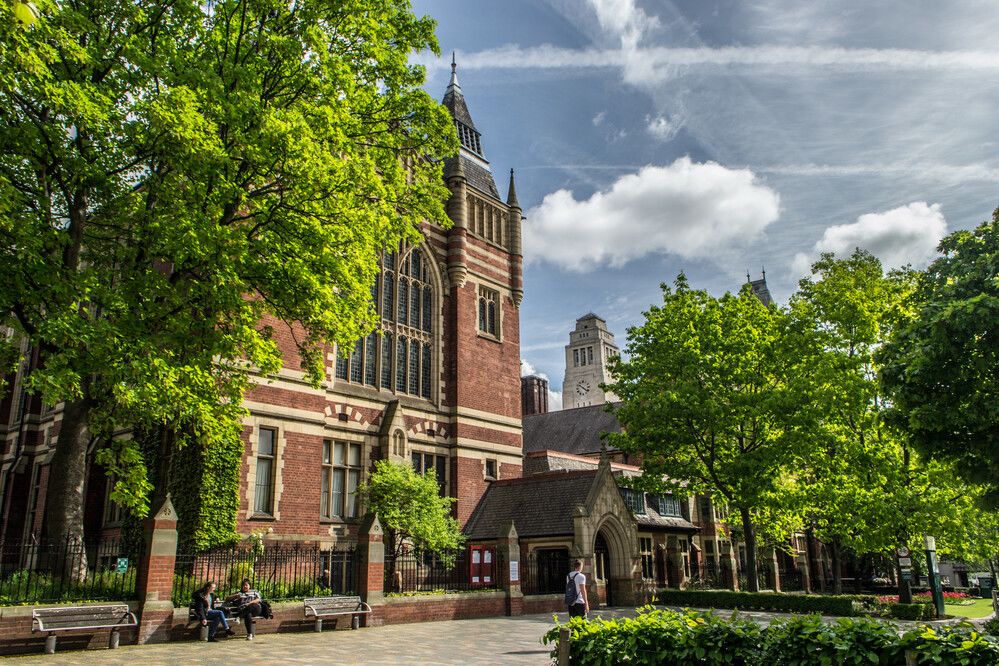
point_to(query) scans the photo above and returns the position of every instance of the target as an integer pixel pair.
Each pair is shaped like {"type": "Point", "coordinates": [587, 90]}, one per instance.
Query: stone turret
{"type": "Point", "coordinates": [516, 254]}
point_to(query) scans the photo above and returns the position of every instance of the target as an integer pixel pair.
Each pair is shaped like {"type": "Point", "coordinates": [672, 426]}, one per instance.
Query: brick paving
{"type": "Point", "coordinates": [499, 640]}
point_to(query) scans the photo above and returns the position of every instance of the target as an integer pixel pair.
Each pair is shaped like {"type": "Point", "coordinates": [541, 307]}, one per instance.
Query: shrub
{"type": "Point", "coordinates": [951, 645]}
{"type": "Point", "coordinates": [657, 636]}
{"type": "Point", "coordinates": [809, 640]}
{"type": "Point", "coordinates": [844, 605]}
{"type": "Point", "coordinates": [670, 637]}
{"type": "Point", "coordinates": [992, 627]}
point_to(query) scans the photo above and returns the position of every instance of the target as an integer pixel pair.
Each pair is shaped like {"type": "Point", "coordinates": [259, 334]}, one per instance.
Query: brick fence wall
{"type": "Point", "coordinates": [159, 621]}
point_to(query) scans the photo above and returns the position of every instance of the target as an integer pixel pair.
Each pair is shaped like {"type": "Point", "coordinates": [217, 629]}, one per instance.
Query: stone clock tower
{"type": "Point", "coordinates": [590, 347]}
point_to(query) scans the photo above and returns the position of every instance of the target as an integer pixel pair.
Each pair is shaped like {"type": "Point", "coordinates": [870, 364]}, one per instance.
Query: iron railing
{"type": "Point", "coordinates": [284, 571]}
{"type": "Point", "coordinates": [429, 573]}
{"type": "Point", "coordinates": [68, 571]}
{"type": "Point", "coordinates": [544, 572]}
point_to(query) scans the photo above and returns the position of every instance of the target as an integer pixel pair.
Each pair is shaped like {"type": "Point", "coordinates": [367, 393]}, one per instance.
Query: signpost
{"type": "Point", "coordinates": [933, 574]}
{"type": "Point", "coordinates": [122, 566]}
{"type": "Point", "coordinates": [904, 557]}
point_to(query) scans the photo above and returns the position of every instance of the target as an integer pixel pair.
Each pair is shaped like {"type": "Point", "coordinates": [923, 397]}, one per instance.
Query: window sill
{"type": "Point", "coordinates": [262, 517]}
{"type": "Point", "coordinates": [339, 521]}
{"type": "Point", "coordinates": [490, 338]}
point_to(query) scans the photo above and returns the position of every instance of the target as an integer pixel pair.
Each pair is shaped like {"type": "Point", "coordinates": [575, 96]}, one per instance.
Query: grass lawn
{"type": "Point", "coordinates": [981, 608]}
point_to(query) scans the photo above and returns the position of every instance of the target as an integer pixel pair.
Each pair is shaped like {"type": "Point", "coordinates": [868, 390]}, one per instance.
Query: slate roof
{"type": "Point", "coordinates": [539, 505]}
{"type": "Point", "coordinates": [761, 291]}
{"type": "Point", "coordinates": [477, 176]}
{"type": "Point", "coordinates": [569, 430]}
{"type": "Point", "coordinates": [653, 520]}
{"type": "Point", "coordinates": [454, 101]}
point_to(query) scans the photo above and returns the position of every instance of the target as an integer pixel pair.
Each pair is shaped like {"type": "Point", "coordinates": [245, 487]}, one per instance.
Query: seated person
{"type": "Point", "coordinates": [248, 606]}
{"type": "Point", "coordinates": [203, 609]}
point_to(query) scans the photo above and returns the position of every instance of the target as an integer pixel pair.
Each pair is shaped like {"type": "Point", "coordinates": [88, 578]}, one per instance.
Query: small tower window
{"type": "Point", "coordinates": [488, 314]}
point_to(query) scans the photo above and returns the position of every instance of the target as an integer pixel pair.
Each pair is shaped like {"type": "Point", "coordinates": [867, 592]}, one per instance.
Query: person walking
{"type": "Point", "coordinates": [575, 591]}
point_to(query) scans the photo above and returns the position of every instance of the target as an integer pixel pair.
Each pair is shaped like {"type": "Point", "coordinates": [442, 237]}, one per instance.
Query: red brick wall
{"type": "Point", "coordinates": [443, 607]}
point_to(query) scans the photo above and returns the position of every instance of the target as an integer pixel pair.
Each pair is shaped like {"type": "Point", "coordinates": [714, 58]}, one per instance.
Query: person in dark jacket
{"type": "Point", "coordinates": [203, 607]}
{"type": "Point", "coordinates": [249, 605]}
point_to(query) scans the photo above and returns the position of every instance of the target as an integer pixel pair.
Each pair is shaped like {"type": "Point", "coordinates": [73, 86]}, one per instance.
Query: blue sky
{"type": "Point", "coordinates": [716, 137]}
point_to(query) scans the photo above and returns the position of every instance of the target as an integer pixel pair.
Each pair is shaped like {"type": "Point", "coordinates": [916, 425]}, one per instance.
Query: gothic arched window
{"type": "Point", "coordinates": [401, 358]}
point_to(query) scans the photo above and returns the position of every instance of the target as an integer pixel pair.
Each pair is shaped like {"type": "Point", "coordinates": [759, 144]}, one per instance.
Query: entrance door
{"type": "Point", "coordinates": [601, 555]}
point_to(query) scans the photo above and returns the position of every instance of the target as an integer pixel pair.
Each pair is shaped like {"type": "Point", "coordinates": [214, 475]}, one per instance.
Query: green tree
{"type": "Point", "coordinates": [179, 179]}
{"type": "Point", "coordinates": [411, 510]}
{"type": "Point", "coordinates": [942, 369]}
{"type": "Point", "coordinates": [710, 400]}
{"type": "Point", "coordinates": [853, 467]}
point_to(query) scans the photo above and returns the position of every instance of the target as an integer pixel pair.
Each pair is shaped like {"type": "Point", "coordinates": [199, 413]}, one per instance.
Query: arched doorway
{"type": "Point", "coordinates": [602, 566]}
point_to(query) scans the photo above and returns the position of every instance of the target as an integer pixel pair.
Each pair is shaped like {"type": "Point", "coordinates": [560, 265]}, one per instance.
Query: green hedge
{"type": "Point", "coordinates": [898, 611]}
{"type": "Point", "coordinates": [659, 636]}
{"type": "Point", "coordinates": [844, 605]}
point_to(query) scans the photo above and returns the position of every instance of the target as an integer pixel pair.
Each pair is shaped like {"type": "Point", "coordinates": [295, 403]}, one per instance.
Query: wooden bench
{"type": "Point", "coordinates": [321, 607]}
{"type": "Point", "coordinates": [81, 618]}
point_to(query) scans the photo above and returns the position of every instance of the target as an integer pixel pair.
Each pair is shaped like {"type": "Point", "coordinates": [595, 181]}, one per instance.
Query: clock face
{"type": "Point", "coordinates": [583, 387]}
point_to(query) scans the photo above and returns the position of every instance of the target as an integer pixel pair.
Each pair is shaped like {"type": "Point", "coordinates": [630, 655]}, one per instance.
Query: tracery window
{"type": "Point", "coordinates": [400, 359]}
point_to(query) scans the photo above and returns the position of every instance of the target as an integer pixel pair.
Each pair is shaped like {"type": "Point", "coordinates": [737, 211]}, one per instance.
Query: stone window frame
{"type": "Point", "coordinates": [382, 348]}
{"type": "Point", "coordinates": [486, 296]}
{"type": "Point", "coordinates": [485, 469]}
{"type": "Point", "coordinates": [647, 556]}
{"type": "Point", "coordinates": [280, 444]}
{"type": "Point", "coordinates": [113, 513]}
{"type": "Point", "coordinates": [437, 453]}
{"type": "Point", "coordinates": [332, 440]}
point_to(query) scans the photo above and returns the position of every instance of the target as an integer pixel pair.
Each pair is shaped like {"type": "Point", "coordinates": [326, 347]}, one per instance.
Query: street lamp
{"type": "Point", "coordinates": [933, 573]}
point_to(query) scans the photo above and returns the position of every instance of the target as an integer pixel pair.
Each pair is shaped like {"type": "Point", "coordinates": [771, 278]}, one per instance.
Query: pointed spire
{"type": "Point", "coordinates": [453, 85]}
{"type": "Point", "coordinates": [511, 197]}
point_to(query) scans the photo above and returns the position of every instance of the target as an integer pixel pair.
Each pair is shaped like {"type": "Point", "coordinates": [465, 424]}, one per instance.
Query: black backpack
{"type": "Point", "coordinates": [571, 593]}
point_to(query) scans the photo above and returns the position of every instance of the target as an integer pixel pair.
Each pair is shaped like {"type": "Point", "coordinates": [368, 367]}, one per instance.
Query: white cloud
{"type": "Point", "coordinates": [784, 59]}
{"type": "Point", "coordinates": [624, 20]}
{"type": "Point", "coordinates": [694, 210]}
{"type": "Point", "coordinates": [662, 128]}
{"type": "Point", "coordinates": [904, 235]}
{"type": "Point", "coordinates": [554, 401]}
{"type": "Point", "coordinates": [527, 369]}
{"type": "Point", "coordinates": [599, 118]}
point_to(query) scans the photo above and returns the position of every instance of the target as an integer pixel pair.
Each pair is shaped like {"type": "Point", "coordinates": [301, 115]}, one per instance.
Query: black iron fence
{"type": "Point", "coordinates": [285, 571]}
{"type": "Point", "coordinates": [71, 570]}
{"type": "Point", "coordinates": [545, 571]}
{"type": "Point", "coordinates": [428, 573]}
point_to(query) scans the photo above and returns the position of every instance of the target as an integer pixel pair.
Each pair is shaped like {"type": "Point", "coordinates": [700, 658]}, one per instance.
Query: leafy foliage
{"type": "Point", "coordinates": [828, 604]}
{"type": "Point", "coordinates": [182, 180]}
{"type": "Point", "coordinates": [410, 509]}
{"type": "Point", "coordinates": [942, 369]}
{"type": "Point", "coordinates": [710, 399]}
{"type": "Point", "coordinates": [670, 637]}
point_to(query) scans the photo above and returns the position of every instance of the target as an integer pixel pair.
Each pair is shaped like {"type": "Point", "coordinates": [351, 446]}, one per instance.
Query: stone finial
{"type": "Point", "coordinates": [370, 525]}
{"type": "Point", "coordinates": [511, 197]}
{"type": "Point", "coordinates": [166, 510]}
{"type": "Point", "coordinates": [508, 530]}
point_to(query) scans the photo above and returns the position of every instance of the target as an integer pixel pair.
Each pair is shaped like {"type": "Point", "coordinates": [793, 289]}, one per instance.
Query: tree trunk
{"type": "Point", "coordinates": [65, 496]}
{"type": "Point", "coordinates": [837, 566]}
{"type": "Point", "coordinates": [749, 534]}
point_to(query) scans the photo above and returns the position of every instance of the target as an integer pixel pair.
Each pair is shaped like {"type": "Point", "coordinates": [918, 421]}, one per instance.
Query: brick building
{"type": "Point", "coordinates": [440, 387]}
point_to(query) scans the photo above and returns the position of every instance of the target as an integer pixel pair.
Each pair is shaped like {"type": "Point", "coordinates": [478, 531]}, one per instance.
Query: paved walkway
{"type": "Point", "coordinates": [500, 640]}
{"type": "Point", "coordinates": [497, 640]}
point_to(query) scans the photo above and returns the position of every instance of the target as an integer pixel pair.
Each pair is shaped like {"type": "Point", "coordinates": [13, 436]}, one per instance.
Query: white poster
{"type": "Point", "coordinates": [514, 571]}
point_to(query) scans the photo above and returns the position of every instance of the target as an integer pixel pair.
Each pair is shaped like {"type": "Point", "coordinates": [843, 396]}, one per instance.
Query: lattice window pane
{"type": "Point", "coordinates": [387, 361]}
{"type": "Point", "coordinates": [427, 310]}
{"type": "Point", "coordinates": [403, 301]}
{"type": "Point", "coordinates": [400, 365]}
{"type": "Point", "coordinates": [355, 362]}
{"type": "Point", "coordinates": [370, 346]}
{"type": "Point", "coordinates": [388, 303]}
{"type": "Point", "coordinates": [414, 305]}
{"type": "Point", "coordinates": [414, 368]}
{"type": "Point", "coordinates": [426, 372]}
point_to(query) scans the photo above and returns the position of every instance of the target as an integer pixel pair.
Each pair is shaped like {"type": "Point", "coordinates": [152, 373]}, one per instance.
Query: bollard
{"type": "Point", "coordinates": [114, 639]}
{"type": "Point", "coordinates": [50, 643]}
{"type": "Point", "coordinates": [563, 647]}
{"type": "Point", "coordinates": [355, 622]}
{"type": "Point", "coordinates": [203, 633]}
{"type": "Point", "coordinates": [319, 624]}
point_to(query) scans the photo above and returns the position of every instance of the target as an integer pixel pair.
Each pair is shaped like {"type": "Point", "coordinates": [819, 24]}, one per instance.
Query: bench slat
{"type": "Point", "coordinates": [69, 618]}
